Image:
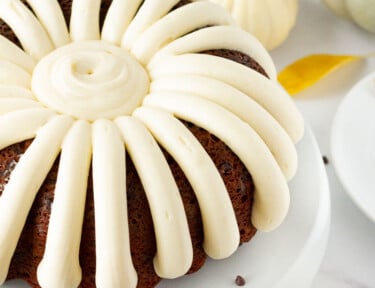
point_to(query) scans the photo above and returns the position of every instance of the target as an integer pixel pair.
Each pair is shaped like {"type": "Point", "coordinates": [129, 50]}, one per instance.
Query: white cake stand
{"type": "Point", "coordinates": [286, 258]}
{"type": "Point", "coordinates": [290, 256]}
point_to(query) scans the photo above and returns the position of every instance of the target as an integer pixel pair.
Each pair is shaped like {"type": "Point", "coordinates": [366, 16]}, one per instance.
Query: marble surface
{"type": "Point", "coordinates": [350, 256]}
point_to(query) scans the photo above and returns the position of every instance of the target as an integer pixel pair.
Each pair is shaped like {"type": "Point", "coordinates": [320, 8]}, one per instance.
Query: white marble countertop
{"type": "Point", "coordinates": [350, 256]}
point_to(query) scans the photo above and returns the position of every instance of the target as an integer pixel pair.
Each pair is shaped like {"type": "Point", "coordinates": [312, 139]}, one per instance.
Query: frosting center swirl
{"type": "Point", "coordinates": [90, 80]}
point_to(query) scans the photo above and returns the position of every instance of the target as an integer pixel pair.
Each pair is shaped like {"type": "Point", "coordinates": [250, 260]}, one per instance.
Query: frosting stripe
{"type": "Point", "coordinates": [13, 104]}
{"type": "Point", "coordinates": [119, 16]}
{"type": "Point", "coordinates": [29, 31]}
{"type": "Point", "coordinates": [206, 181]}
{"type": "Point", "coordinates": [177, 23]}
{"type": "Point", "coordinates": [11, 52]}
{"type": "Point", "coordinates": [11, 91]}
{"type": "Point", "coordinates": [12, 74]}
{"type": "Point", "coordinates": [60, 264]}
{"type": "Point", "coordinates": [23, 185]}
{"type": "Point", "coordinates": [174, 248]}
{"type": "Point", "coordinates": [84, 20]}
{"type": "Point", "coordinates": [267, 93]}
{"type": "Point", "coordinates": [51, 17]}
{"type": "Point", "coordinates": [148, 14]}
{"type": "Point", "coordinates": [21, 125]}
{"type": "Point", "coordinates": [271, 196]}
{"type": "Point", "coordinates": [221, 37]}
{"type": "Point", "coordinates": [244, 107]}
{"type": "Point", "coordinates": [114, 267]}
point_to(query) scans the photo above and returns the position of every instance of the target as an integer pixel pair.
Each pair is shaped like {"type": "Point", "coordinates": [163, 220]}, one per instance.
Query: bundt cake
{"type": "Point", "coordinates": [136, 137]}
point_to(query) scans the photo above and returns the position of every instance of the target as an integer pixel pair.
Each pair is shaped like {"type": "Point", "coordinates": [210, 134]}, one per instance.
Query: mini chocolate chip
{"type": "Point", "coordinates": [240, 281]}
{"type": "Point", "coordinates": [325, 160]}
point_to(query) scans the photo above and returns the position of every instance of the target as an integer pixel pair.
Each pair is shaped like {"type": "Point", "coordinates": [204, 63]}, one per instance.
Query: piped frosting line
{"type": "Point", "coordinates": [27, 28]}
{"type": "Point", "coordinates": [114, 267]}
{"type": "Point", "coordinates": [22, 125]}
{"type": "Point", "coordinates": [51, 17]}
{"type": "Point", "coordinates": [119, 16]}
{"type": "Point", "coordinates": [206, 181]}
{"type": "Point", "coordinates": [276, 138]}
{"type": "Point", "coordinates": [12, 91]}
{"type": "Point", "coordinates": [8, 104]}
{"type": "Point", "coordinates": [60, 266]}
{"type": "Point", "coordinates": [148, 13]}
{"type": "Point", "coordinates": [174, 253]}
{"type": "Point", "coordinates": [12, 53]}
{"type": "Point", "coordinates": [13, 74]}
{"type": "Point", "coordinates": [271, 190]}
{"type": "Point", "coordinates": [266, 92]}
{"type": "Point", "coordinates": [221, 37]}
{"type": "Point", "coordinates": [177, 23]}
{"type": "Point", "coordinates": [23, 185]}
{"type": "Point", "coordinates": [84, 20]}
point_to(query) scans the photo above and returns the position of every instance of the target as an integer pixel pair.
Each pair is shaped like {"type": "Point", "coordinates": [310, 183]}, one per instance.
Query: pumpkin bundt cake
{"type": "Point", "coordinates": [136, 137]}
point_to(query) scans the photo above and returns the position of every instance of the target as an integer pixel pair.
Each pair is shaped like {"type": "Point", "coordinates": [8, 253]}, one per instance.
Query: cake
{"type": "Point", "coordinates": [137, 138]}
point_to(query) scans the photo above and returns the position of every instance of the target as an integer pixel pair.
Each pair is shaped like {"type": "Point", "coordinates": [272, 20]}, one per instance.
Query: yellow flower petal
{"type": "Point", "coordinates": [308, 70]}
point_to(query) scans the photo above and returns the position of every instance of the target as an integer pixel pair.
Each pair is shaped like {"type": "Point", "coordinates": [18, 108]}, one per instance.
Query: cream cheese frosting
{"type": "Point", "coordinates": [34, 38]}
{"type": "Point", "coordinates": [277, 140]}
{"type": "Point", "coordinates": [10, 52]}
{"type": "Point", "coordinates": [84, 24]}
{"type": "Point", "coordinates": [68, 208]}
{"type": "Point", "coordinates": [188, 152]}
{"type": "Point", "coordinates": [90, 80]}
{"type": "Point", "coordinates": [7, 72]}
{"type": "Point", "coordinates": [18, 196]}
{"type": "Point", "coordinates": [93, 95]}
{"type": "Point", "coordinates": [52, 19]}
{"type": "Point", "coordinates": [174, 253]}
{"type": "Point", "coordinates": [114, 267]}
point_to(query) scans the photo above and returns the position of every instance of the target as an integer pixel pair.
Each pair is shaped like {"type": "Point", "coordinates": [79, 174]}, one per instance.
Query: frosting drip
{"type": "Point", "coordinates": [90, 80]}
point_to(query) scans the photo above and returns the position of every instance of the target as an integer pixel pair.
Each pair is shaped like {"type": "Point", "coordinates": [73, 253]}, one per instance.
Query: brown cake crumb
{"type": "Point", "coordinates": [240, 281]}
{"type": "Point", "coordinates": [325, 160]}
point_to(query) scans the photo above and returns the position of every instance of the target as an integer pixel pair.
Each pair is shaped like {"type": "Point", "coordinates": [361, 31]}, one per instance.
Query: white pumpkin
{"type": "Point", "coordinates": [362, 12]}
{"type": "Point", "coordinates": [268, 20]}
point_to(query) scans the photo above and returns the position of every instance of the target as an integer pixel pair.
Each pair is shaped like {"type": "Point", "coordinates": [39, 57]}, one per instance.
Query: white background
{"type": "Point", "coordinates": [350, 256]}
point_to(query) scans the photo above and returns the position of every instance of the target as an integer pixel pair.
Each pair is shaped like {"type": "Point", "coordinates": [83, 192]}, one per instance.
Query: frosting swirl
{"type": "Point", "coordinates": [90, 80]}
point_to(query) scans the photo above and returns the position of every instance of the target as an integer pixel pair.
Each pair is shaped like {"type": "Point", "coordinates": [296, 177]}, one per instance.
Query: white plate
{"type": "Point", "coordinates": [286, 258]}
{"type": "Point", "coordinates": [353, 144]}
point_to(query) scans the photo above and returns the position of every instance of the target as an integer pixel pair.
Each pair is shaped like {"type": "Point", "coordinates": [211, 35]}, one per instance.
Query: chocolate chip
{"type": "Point", "coordinates": [240, 281]}
{"type": "Point", "coordinates": [325, 160]}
